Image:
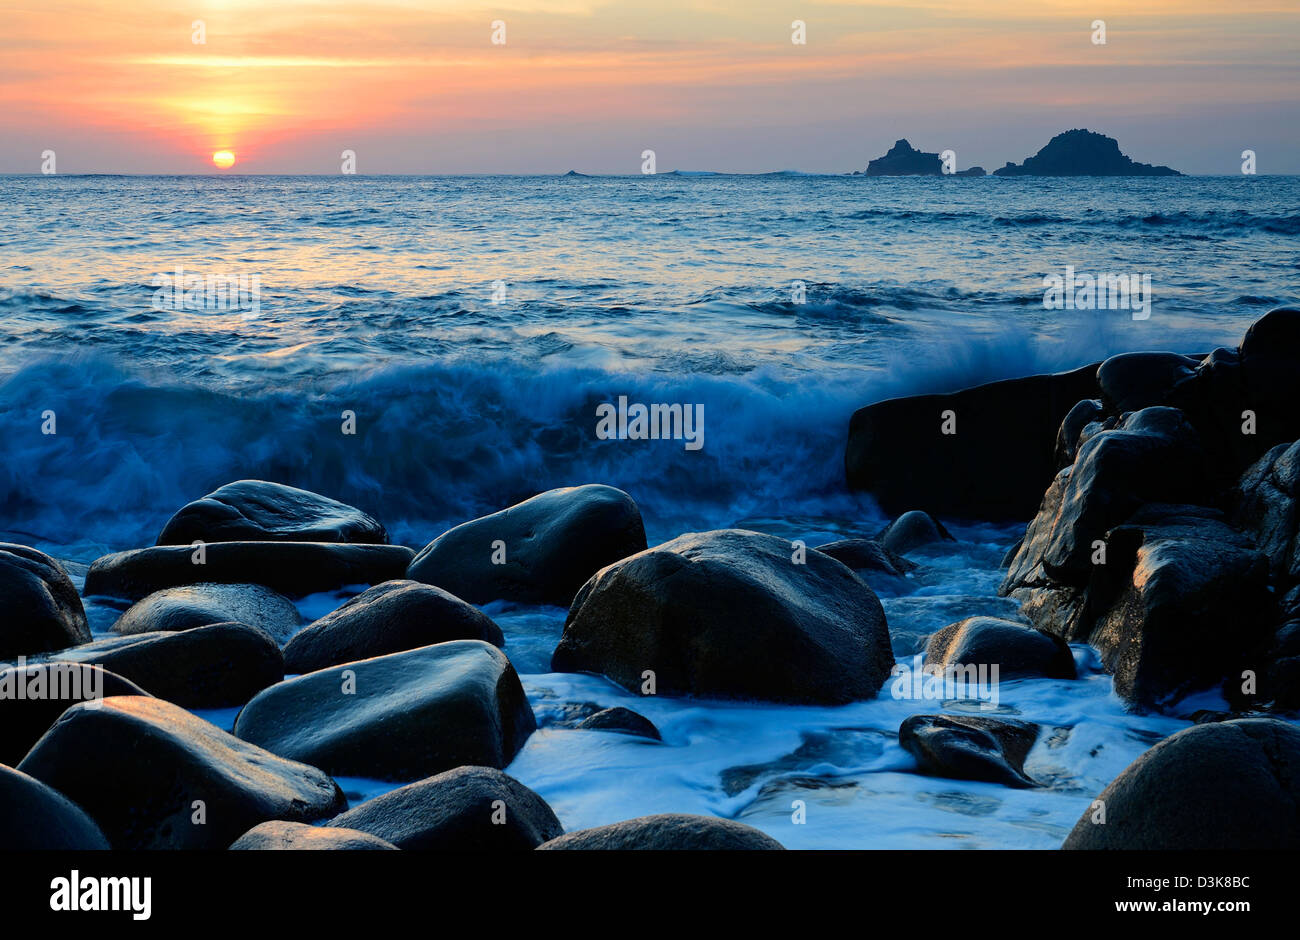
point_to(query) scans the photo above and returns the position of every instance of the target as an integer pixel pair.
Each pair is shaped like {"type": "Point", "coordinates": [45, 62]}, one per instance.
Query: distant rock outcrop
{"type": "Point", "coordinates": [905, 160]}
{"type": "Point", "coordinates": [1082, 153]}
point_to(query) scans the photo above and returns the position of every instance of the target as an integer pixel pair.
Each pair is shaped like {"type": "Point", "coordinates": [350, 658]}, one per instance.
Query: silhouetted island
{"type": "Point", "coordinates": [1082, 153]}
{"type": "Point", "coordinates": [905, 160]}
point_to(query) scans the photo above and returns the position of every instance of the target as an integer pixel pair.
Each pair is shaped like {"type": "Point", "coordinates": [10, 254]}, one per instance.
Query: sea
{"type": "Point", "coordinates": [431, 349]}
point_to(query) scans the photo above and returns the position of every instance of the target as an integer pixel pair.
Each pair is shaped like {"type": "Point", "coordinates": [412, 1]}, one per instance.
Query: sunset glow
{"type": "Point", "coordinates": [423, 87]}
{"type": "Point", "coordinates": [223, 159]}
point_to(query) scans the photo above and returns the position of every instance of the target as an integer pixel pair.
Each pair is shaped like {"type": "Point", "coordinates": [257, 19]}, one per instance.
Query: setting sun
{"type": "Point", "coordinates": [223, 159]}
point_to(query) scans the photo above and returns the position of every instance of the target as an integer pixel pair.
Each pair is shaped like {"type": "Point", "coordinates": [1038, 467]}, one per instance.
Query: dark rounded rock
{"type": "Point", "coordinates": [279, 835]}
{"type": "Point", "coordinates": [1086, 412]}
{"type": "Point", "coordinates": [388, 618]}
{"type": "Point", "coordinates": [548, 547]}
{"type": "Point", "coordinates": [1223, 786]}
{"type": "Point", "coordinates": [868, 556]}
{"type": "Point", "coordinates": [622, 721]}
{"type": "Point", "coordinates": [1017, 650]}
{"type": "Point", "coordinates": [993, 468]}
{"type": "Point", "coordinates": [1275, 334]}
{"type": "Point", "coordinates": [198, 605]}
{"type": "Point", "coordinates": [36, 817]}
{"type": "Point", "coordinates": [259, 511]}
{"type": "Point", "coordinates": [40, 609]}
{"type": "Point", "coordinates": [397, 717]}
{"type": "Point", "coordinates": [912, 530]}
{"type": "Point", "coordinates": [969, 747]}
{"type": "Point", "coordinates": [667, 832]}
{"type": "Point", "coordinates": [469, 809]}
{"type": "Point", "coordinates": [730, 614]}
{"type": "Point", "coordinates": [48, 690]}
{"type": "Point", "coordinates": [1133, 381]}
{"type": "Point", "coordinates": [294, 569]}
{"type": "Point", "coordinates": [139, 765]}
{"type": "Point", "coordinates": [216, 666]}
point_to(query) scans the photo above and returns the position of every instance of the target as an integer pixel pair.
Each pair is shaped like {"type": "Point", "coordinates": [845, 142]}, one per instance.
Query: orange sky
{"type": "Point", "coordinates": [419, 86]}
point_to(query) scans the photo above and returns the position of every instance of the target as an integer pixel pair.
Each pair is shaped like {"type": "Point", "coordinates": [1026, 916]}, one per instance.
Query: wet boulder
{"type": "Point", "coordinates": [279, 835]}
{"type": "Point", "coordinates": [36, 817]}
{"type": "Point", "coordinates": [913, 530]}
{"type": "Point", "coordinates": [388, 618]}
{"type": "Point", "coordinates": [154, 776]}
{"type": "Point", "coordinates": [1225, 786]}
{"type": "Point", "coordinates": [215, 666]}
{"type": "Point", "coordinates": [1133, 381]}
{"type": "Point", "coordinates": [469, 809]}
{"type": "Point", "coordinates": [40, 609]}
{"type": "Point", "coordinates": [970, 747]}
{"type": "Point", "coordinates": [32, 697]}
{"type": "Point", "coordinates": [1270, 367]}
{"type": "Point", "coordinates": [1154, 455]}
{"type": "Point", "coordinates": [259, 511]}
{"type": "Point", "coordinates": [730, 614]}
{"type": "Point", "coordinates": [667, 832]}
{"type": "Point", "coordinates": [539, 551]}
{"type": "Point", "coordinates": [1182, 600]}
{"type": "Point", "coordinates": [397, 717]}
{"type": "Point", "coordinates": [986, 452]}
{"type": "Point", "coordinates": [1089, 413]}
{"type": "Point", "coordinates": [620, 721]}
{"type": "Point", "coordinates": [198, 605]}
{"type": "Point", "coordinates": [294, 569]}
{"type": "Point", "coordinates": [1265, 506]}
{"type": "Point", "coordinates": [868, 556]}
{"type": "Point", "coordinates": [1017, 650]}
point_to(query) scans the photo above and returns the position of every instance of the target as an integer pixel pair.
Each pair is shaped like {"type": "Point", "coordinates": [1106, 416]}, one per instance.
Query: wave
{"type": "Point", "coordinates": [443, 440]}
{"type": "Point", "coordinates": [434, 445]}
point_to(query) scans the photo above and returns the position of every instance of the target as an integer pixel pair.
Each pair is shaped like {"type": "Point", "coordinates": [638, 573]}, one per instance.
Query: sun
{"type": "Point", "coordinates": [223, 159]}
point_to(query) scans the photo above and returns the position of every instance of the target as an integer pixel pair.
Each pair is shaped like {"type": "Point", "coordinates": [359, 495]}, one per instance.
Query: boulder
{"type": "Point", "coordinates": [1133, 381]}
{"type": "Point", "coordinates": [397, 717]}
{"type": "Point", "coordinates": [32, 697]}
{"type": "Point", "coordinates": [1264, 506]}
{"type": "Point", "coordinates": [279, 835]}
{"type": "Point", "coordinates": [39, 606]}
{"type": "Point", "coordinates": [36, 817]}
{"type": "Point", "coordinates": [620, 721]}
{"type": "Point", "coordinates": [969, 747]}
{"type": "Point", "coordinates": [539, 551]}
{"type": "Point", "coordinates": [1153, 455]}
{"type": "Point", "coordinates": [388, 618]}
{"type": "Point", "coordinates": [198, 605]}
{"type": "Point", "coordinates": [258, 511]}
{"type": "Point", "coordinates": [868, 557]}
{"type": "Point", "coordinates": [140, 765]}
{"type": "Point", "coordinates": [729, 614]}
{"type": "Point", "coordinates": [217, 666]}
{"type": "Point", "coordinates": [1160, 609]}
{"type": "Point", "coordinates": [911, 531]}
{"type": "Point", "coordinates": [995, 467]}
{"type": "Point", "coordinates": [469, 809]}
{"type": "Point", "coordinates": [294, 569]}
{"type": "Point", "coordinates": [1017, 650]}
{"type": "Point", "coordinates": [667, 832]}
{"type": "Point", "coordinates": [1270, 375]}
{"type": "Point", "coordinates": [1224, 786]}
{"type": "Point", "coordinates": [1089, 413]}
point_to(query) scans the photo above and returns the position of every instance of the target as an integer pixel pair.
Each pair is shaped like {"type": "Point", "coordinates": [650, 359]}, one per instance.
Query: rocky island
{"type": "Point", "coordinates": [1081, 152]}
{"type": "Point", "coordinates": [905, 160]}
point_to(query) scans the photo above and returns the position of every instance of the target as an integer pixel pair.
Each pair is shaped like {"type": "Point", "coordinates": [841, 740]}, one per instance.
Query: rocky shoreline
{"type": "Point", "coordinates": [1161, 490]}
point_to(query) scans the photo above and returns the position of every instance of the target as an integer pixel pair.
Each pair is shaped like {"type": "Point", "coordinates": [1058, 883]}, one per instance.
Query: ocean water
{"type": "Point", "coordinates": [472, 324]}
